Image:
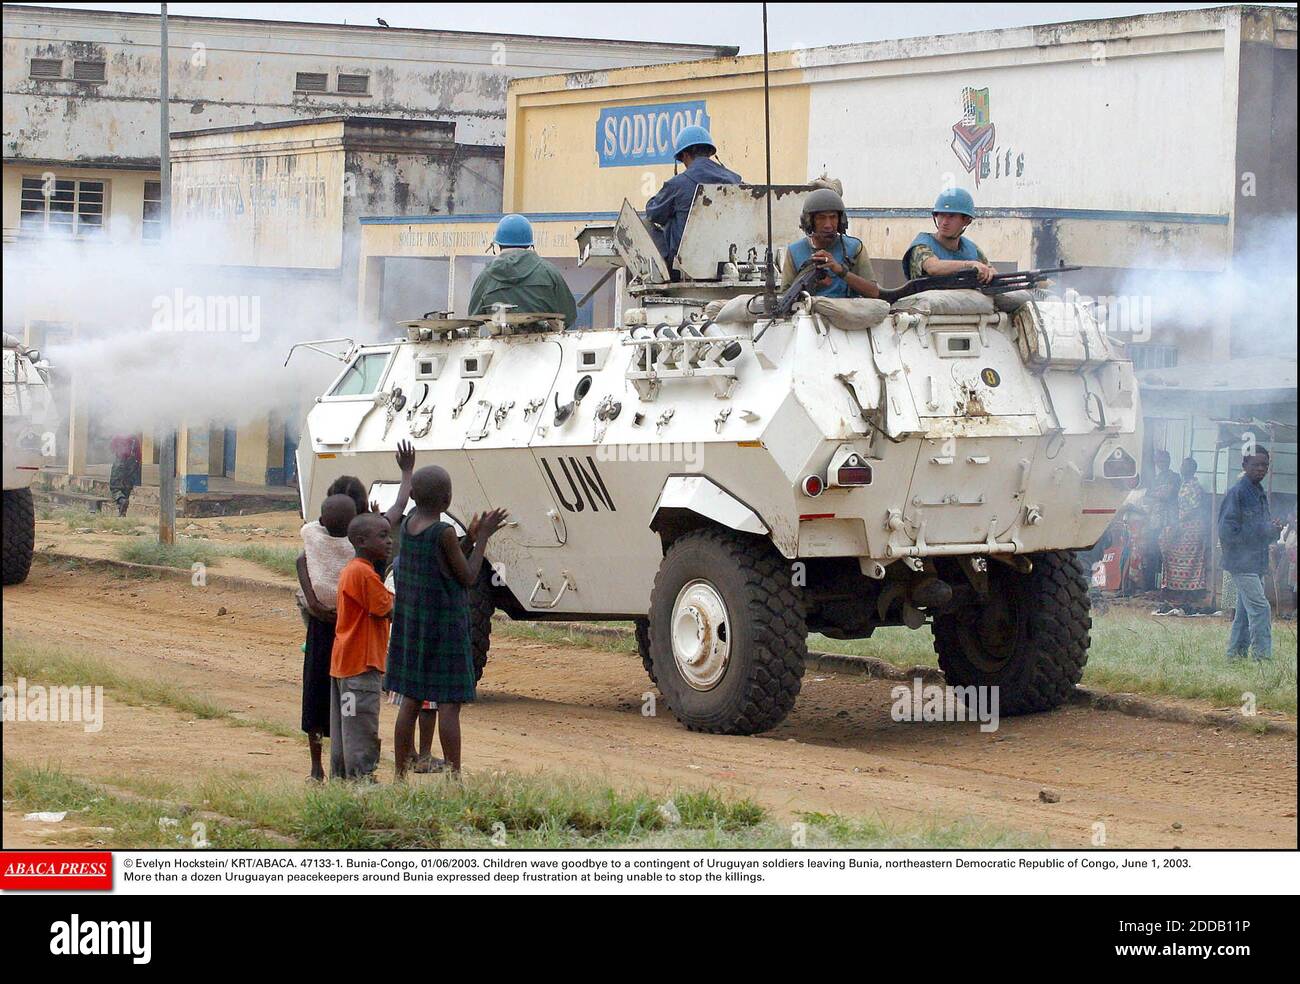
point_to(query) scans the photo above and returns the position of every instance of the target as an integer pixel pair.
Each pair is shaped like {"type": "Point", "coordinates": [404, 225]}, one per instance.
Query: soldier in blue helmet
{"type": "Point", "coordinates": [846, 269]}
{"type": "Point", "coordinates": [947, 250]}
{"type": "Point", "coordinates": [668, 209]}
{"type": "Point", "coordinates": [520, 277]}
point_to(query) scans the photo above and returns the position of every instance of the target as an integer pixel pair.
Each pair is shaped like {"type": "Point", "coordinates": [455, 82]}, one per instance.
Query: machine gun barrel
{"type": "Point", "coordinates": [1001, 283]}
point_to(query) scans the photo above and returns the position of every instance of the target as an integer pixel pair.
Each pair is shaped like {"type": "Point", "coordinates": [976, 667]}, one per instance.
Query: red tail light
{"type": "Point", "coordinates": [853, 475]}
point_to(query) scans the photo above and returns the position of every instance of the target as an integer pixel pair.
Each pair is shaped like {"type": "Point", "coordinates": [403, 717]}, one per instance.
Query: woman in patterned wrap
{"type": "Point", "coordinates": [1184, 541]}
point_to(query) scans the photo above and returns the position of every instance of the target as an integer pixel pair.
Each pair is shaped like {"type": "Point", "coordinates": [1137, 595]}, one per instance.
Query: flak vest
{"type": "Point", "coordinates": [801, 253]}
{"type": "Point", "coordinates": [966, 250]}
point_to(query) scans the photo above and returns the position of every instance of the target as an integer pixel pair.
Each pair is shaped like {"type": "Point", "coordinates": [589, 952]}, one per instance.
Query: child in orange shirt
{"type": "Point", "coordinates": [360, 647]}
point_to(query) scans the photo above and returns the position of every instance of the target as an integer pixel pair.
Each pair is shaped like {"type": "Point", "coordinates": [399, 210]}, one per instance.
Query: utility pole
{"type": "Point", "coordinates": [769, 277]}
{"type": "Point", "coordinates": [167, 453]}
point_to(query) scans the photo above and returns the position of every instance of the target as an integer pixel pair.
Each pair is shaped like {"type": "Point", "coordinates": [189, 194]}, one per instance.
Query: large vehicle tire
{"type": "Point", "coordinates": [481, 608]}
{"type": "Point", "coordinates": [642, 630]}
{"type": "Point", "coordinates": [728, 638]}
{"type": "Point", "coordinates": [1030, 639]}
{"type": "Point", "coordinates": [19, 535]}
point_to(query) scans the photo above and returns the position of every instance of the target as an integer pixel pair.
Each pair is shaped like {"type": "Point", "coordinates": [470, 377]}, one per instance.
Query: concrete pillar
{"type": "Point", "coordinates": [216, 450]}
{"type": "Point", "coordinates": [192, 459]}
{"type": "Point", "coordinates": [148, 470]}
{"type": "Point", "coordinates": [78, 436]}
{"type": "Point", "coordinates": [259, 452]}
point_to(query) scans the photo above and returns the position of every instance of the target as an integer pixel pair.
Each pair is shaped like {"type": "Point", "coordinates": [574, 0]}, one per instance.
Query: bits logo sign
{"type": "Point", "coordinates": [634, 136]}
{"type": "Point", "coordinates": [975, 140]}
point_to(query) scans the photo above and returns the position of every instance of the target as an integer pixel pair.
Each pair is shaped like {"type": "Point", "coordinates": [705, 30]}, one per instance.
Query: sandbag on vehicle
{"type": "Point", "coordinates": [735, 311]}
{"type": "Point", "coordinates": [851, 313]}
{"type": "Point", "coordinates": [945, 302]}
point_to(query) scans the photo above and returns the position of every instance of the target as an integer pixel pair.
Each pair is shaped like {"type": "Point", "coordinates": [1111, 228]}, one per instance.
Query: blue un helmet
{"type": "Point", "coordinates": [513, 230]}
{"type": "Point", "coordinates": [955, 200]}
{"type": "Point", "coordinates": [692, 136]}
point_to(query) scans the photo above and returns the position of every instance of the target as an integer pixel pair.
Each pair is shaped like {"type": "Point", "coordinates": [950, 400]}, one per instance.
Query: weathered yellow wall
{"type": "Point", "coordinates": [259, 450]}
{"type": "Point", "coordinates": [275, 194]}
{"type": "Point", "coordinates": [552, 164]}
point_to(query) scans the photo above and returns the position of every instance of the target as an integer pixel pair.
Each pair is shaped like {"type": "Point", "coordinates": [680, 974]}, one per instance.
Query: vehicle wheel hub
{"type": "Point", "coordinates": [701, 635]}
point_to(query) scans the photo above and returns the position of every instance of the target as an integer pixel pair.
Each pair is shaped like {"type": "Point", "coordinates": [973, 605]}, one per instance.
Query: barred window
{"type": "Point", "coordinates": [1153, 356]}
{"type": "Point", "coordinates": [151, 221]}
{"type": "Point", "coordinates": [65, 207]}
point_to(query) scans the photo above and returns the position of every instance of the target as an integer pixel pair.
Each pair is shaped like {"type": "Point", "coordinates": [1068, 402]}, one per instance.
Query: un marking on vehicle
{"type": "Point", "coordinates": [585, 486]}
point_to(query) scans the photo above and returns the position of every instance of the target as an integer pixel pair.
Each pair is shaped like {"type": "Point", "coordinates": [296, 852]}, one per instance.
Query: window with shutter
{"type": "Point", "coordinates": [311, 82]}
{"type": "Point", "coordinates": [88, 71]}
{"type": "Point", "coordinates": [354, 85]}
{"type": "Point", "coordinates": [47, 68]}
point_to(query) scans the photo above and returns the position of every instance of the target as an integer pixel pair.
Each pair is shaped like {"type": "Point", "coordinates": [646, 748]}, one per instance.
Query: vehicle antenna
{"type": "Point", "coordinates": [769, 285]}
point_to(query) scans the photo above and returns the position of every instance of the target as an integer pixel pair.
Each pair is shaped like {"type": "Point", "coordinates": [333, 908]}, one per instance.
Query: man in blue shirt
{"type": "Point", "coordinates": [947, 250]}
{"type": "Point", "coordinates": [668, 209]}
{"type": "Point", "coordinates": [1246, 529]}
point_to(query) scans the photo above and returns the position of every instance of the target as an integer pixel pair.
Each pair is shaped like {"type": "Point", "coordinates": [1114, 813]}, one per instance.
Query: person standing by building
{"type": "Point", "coordinates": [1183, 576]}
{"type": "Point", "coordinates": [521, 278]}
{"type": "Point", "coordinates": [125, 473]}
{"type": "Point", "coordinates": [1162, 506]}
{"type": "Point", "coordinates": [1246, 530]}
{"type": "Point", "coordinates": [843, 258]}
{"type": "Point", "coordinates": [947, 249]}
{"type": "Point", "coordinates": [668, 209]}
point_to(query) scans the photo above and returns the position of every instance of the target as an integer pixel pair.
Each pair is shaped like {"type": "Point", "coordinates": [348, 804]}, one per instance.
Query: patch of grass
{"type": "Point", "coordinates": [100, 522]}
{"type": "Point", "coordinates": [281, 560]}
{"type": "Point", "coordinates": [478, 811]}
{"type": "Point", "coordinates": [127, 823]}
{"type": "Point", "coordinates": [1183, 657]}
{"type": "Point", "coordinates": [182, 555]}
{"type": "Point", "coordinates": [1135, 653]}
{"type": "Point", "coordinates": [41, 664]}
{"type": "Point", "coordinates": [834, 830]}
{"type": "Point", "coordinates": [566, 636]}
{"type": "Point", "coordinates": [896, 644]}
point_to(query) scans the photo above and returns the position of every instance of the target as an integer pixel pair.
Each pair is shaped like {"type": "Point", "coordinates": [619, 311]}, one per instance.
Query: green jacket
{"type": "Point", "coordinates": [522, 278]}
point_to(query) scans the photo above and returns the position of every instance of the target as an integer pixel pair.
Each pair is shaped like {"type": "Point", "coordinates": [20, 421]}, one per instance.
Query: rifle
{"type": "Point", "coordinates": [808, 274]}
{"type": "Point", "coordinates": [1001, 283]}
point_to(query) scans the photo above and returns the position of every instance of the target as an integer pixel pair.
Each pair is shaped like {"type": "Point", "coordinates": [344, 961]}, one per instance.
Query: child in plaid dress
{"type": "Point", "coordinates": [429, 656]}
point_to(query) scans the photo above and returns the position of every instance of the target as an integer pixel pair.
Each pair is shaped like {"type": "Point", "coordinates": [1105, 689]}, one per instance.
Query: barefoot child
{"type": "Point", "coordinates": [429, 655]}
{"type": "Point", "coordinates": [326, 551]}
{"type": "Point", "coordinates": [361, 636]}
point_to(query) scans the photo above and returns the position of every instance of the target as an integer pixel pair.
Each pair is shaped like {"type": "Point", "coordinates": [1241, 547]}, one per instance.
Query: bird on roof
{"type": "Point", "coordinates": [382, 22]}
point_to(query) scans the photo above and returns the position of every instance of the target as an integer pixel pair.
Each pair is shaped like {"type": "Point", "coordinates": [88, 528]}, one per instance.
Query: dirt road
{"type": "Point", "coordinates": [578, 709]}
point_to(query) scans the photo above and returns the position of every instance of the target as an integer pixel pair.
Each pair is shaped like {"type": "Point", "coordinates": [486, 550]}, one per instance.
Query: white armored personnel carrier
{"type": "Point", "coordinates": [732, 479]}
{"type": "Point", "coordinates": [28, 418]}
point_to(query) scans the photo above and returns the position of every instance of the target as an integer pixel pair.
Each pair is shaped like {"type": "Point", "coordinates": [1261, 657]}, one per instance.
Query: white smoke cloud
{"type": "Point", "coordinates": [161, 340]}
{"type": "Point", "coordinates": [1202, 294]}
